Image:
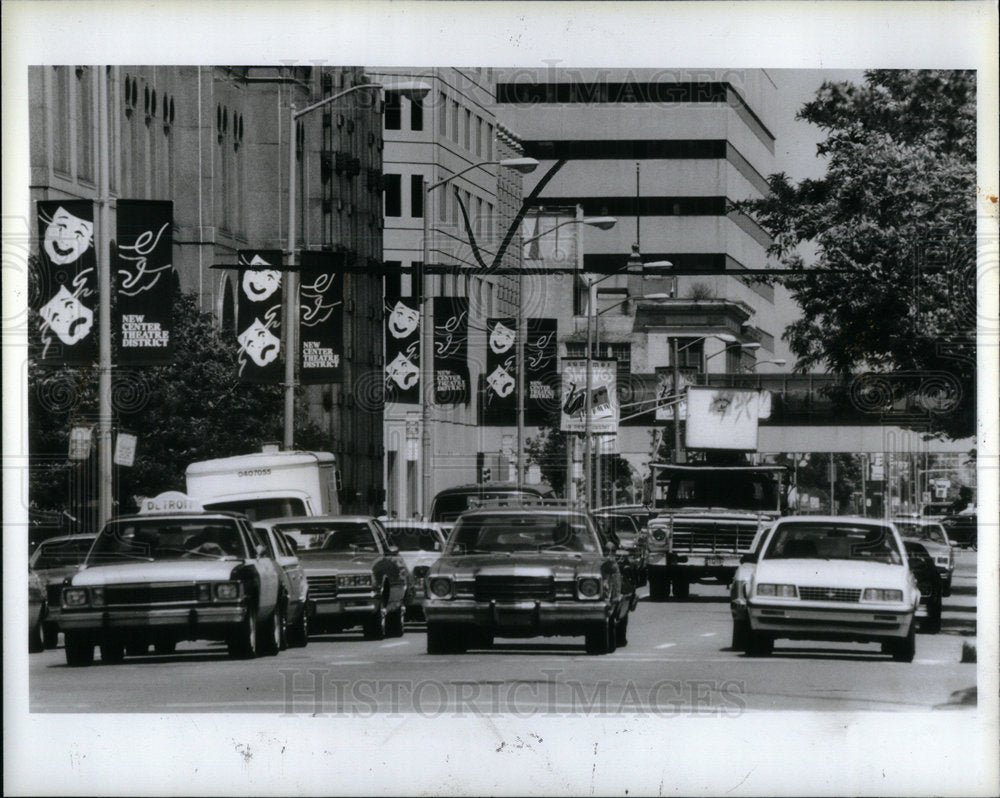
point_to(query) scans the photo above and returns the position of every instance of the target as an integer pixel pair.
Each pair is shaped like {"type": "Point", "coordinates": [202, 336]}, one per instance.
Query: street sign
{"type": "Point", "coordinates": [79, 443]}
{"type": "Point", "coordinates": [125, 449]}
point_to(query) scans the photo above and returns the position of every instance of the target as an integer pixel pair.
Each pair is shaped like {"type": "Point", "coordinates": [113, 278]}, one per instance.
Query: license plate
{"type": "Point", "coordinates": [713, 562]}
{"type": "Point", "coordinates": [515, 618]}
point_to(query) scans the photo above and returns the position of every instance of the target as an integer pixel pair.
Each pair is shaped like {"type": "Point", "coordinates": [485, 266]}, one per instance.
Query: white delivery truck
{"type": "Point", "coordinates": [268, 484]}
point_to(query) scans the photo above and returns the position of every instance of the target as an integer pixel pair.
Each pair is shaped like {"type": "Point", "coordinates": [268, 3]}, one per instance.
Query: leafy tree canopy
{"type": "Point", "coordinates": [895, 216]}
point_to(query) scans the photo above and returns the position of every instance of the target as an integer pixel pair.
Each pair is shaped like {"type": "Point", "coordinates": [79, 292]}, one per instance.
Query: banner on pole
{"type": "Point", "coordinates": [66, 298]}
{"type": "Point", "coordinates": [321, 327]}
{"type": "Point", "coordinates": [451, 350]}
{"type": "Point", "coordinates": [258, 315]}
{"type": "Point", "coordinates": [500, 392]}
{"type": "Point", "coordinates": [402, 350]}
{"type": "Point", "coordinates": [541, 371]}
{"type": "Point", "coordinates": [146, 283]}
{"type": "Point", "coordinates": [603, 396]}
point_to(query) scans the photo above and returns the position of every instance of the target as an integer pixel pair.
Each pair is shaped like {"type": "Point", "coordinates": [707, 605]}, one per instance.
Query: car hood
{"type": "Point", "coordinates": [831, 573]}
{"type": "Point", "coordinates": [316, 562]}
{"type": "Point", "coordinates": [519, 564]}
{"type": "Point", "coordinates": [165, 571]}
{"type": "Point", "coordinates": [933, 549]}
{"type": "Point", "coordinates": [56, 575]}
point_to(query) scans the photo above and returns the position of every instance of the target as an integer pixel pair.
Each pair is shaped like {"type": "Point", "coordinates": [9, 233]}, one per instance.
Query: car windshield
{"type": "Point", "coordinates": [349, 537]}
{"type": "Point", "coordinates": [167, 539]}
{"type": "Point", "coordinates": [255, 509]}
{"type": "Point", "coordinates": [757, 492]}
{"type": "Point", "coordinates": [621, 525]}
{"type": "Point", "coordinates": [833, 541]}
{"type": "Point", "coordinates": [414, 538]}
{"type": "Point", "coordinates": [931, 532]}
{"type": "Point", "coordinates": [515, 532]}
{"type": "Point", "coordinates": [60, 554]}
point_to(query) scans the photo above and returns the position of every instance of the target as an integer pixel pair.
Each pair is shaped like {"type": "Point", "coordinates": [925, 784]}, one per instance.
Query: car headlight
{"type": "Point", "coordinates": [227, 591]}
{"type": "Point", "coordinates": [440, 587]}
{"type": "Point", "coordinates": [879, 594]}
{"type": "Point", "coordinates": [204, 591]}
{"type": "Point", "coordinates": [659, 534]}
{"type": "Point", "coordinates": [354, 580]}
{"type": "Point", "coordinates": [588, 587]}
{"type": "Point", "coordinates": [779, 591]}
{"type": "Point", "coordinates": [421, 571]}
{"type": "Point", "coordinates": [97, 596]}
{"type": "Point", "coordinates": [942, 560]}
{"type": "Point", "coordinates": [75, 597]}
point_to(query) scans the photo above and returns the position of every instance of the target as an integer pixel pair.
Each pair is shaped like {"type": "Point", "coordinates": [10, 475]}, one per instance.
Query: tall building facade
{"type": "Point", "coordinates": [215, 141]}
{"type": "Point", "coordinates": [452, 136]}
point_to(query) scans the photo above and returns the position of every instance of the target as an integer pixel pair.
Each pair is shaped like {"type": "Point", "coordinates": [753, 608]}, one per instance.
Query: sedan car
{"type": "Point", "coordinates": [831, 578]}
{"type": "Point", "coordinates": [934, 538]}
{"type": "Point", "coordinates": [741, 584]}
{"type": "Point", "coordinates": [294, 595]}
{"type": "Point", "coordinates": [173, 572]}
{"type": "Point", "coordinates": [420, 543]}
{"type": "Point", "coordinates": [630, 538]}
{"type": "Point", "coordinates": [55, 559]}
{"type": "Point", "coordinates": [356, 578]}
{"type": "Point", "coordinates": [525, 572]}
{"type": "Point", "coordinates": [929, 581]}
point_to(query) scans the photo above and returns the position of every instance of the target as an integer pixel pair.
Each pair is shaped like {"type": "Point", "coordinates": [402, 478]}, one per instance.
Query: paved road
{"type": "Point", "coordinates": [678, 662]}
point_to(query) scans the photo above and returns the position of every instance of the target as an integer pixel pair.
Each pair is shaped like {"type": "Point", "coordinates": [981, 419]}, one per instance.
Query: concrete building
{"type": "Point", "coordinates": [214, 140]}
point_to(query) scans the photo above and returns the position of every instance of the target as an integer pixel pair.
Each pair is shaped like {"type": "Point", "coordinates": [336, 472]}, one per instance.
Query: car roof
{"type": "Point", "coordinates": [66, 538]}
{"type": "Point", "coordinates": [833, 519]}
{"type": "Point", "coordinates": [396, 523]}
{"type": "Point", "coordinates": [528, 509]}
{"type": "Point", "coordinates": [180, 516]}
{"type": "Point", "coordinates": [476, 487]}
{"type": "Point", "coordinates": [309, 519]}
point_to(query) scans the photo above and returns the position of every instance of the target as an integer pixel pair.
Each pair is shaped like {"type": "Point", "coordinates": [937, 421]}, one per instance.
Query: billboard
{"type": "Point", "coordinates": [724, 418]}
{"type": "Point", "coordinates": [603, 396]}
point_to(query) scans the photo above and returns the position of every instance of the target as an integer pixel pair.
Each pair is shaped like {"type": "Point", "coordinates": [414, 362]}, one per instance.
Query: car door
{"type": "Point", "coordinates": [392, 564]}
{"type": "Point", "coordinates": [267, 572]}
{"type": "Point", "coordinates": [289, 562]}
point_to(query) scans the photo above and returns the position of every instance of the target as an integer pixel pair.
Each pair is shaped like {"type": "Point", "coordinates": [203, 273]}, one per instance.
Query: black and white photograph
{"type": "Point", "coordinates": [501, 398]}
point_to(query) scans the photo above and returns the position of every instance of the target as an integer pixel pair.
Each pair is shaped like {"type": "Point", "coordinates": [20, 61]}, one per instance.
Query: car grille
{"type": "Point", "coordinates": [149, 594]}
{"type": "Point", "coordinates": [514, 588]}
{"type": "Point", "coordinates": [712, 537]}
{"type": "Point", "coordinates": [829, 594]}
{"type": "Point", "coordinates": [322, 587]}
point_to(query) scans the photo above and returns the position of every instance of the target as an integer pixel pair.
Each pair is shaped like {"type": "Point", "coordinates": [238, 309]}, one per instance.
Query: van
{"type": "Point", "coordinates": [450, 503]}
{"type": "Point", "coordinates": [267, 484]}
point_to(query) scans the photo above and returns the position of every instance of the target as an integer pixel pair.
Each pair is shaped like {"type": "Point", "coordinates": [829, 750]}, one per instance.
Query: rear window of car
{"type": "Point", "coordinates": [413, 538]}
{"type": "Point", "coordinates": [256, 509]}
{"type": "Point", "coordinates": [833, 541]}
{"type": "Point", "coordinates": [168, 539]}
{"type": "Point", "coordinates": [487, 533]}
{"type": "Point", "coordinates": [449, 506]}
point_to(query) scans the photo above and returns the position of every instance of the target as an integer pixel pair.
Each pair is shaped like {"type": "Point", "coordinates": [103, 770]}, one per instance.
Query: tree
{"type": "Point", "coordinates": [191, 409]}
{"type": "Point", "coordinates": [548, 452]}
{"type": "Point", "coordinates": [892, 284]}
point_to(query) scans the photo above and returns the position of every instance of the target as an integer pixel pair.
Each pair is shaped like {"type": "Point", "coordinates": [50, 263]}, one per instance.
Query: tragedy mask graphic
{"type": "Point", "coordinates": [501, 382]}
{"type": "Point", "coordinates": [260, 343]}
{"type": "Point", "coordinates": [403, 320]}
{"type": "Point", "coordinates": [69, 318]}
{"type": "Point", "coordinates": [67, 237]}
{"type": "Point", "coordinates": [259, 284]}
{"type": "Point", "coordinates": [402, 372]}
{"type": "Point", "coordinates": [501, 338]}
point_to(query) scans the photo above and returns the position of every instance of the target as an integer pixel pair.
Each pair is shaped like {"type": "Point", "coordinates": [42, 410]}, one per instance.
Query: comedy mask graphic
{"type": "Point", "coordinates": [67, 317]}
{"type": "Point", "coordinates": [260, 343]}
{"type": "Point", "coordinates": [501, 338]}
{"type": "Point", "coordinates": [501, 382]}
{"type": "Point", "coordinates": [403, 320]}
{"type": "Point", "coordinates": [402, 372]}
{"type": "Point", "coordinates": [67, 237]}
{"type": "Point", "coordinates": [259, 284]}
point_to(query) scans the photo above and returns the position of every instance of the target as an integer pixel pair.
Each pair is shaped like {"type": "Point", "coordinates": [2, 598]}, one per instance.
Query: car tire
{"type": "Point", "coordinates": [79, 650]}
{"type": "Point", "coordinates": [394, 623]}
{"type": "Point", "coordinates": [659, 587]}
{"type": "Point", "coordinates": [242, 644]}
{"type": "Point", "coordinates": [374, 627]}
{"type": "Point", "coordinates": [932, 623]}
{"type": "Point", "coordinates": [759, 644]}
{"type": "Point", "coordinates": [36, 642]}
{"type": "Point", "coordinates": [906, 649]}
{"type": "Point", "coordinates": [599, 637]}
{"type": "Point", "coordinates": [946, 586]}
{"type": "Point", "coordinates": [112, 652]}
{"type": "Point", "coordinates": [681, 587]}
{"type": "Point", "coordinates": [741, 635]}
{"type": "Point", "coordinates": [50, 634]}
{"type": "Point", "coordinates": [272, 640]}
{"type": "Point", "coordinates": [298, 632]}
{"type": "Point", "coordinates": [621, 633]}
{"type": "Point", "coordinates": [442, 639]}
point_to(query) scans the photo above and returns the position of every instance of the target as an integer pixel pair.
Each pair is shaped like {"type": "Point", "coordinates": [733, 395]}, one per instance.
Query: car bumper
{"type": "Point", "coordinates": [519, 617]}
{"type": "Point", "coordinates": [186, 618]}
{"type": "Point", "coordinates": [701, 561]}
{"type": "Point", "coordinates": [341, 610]}
{"type": "Point", "coordinates": [823, 622]}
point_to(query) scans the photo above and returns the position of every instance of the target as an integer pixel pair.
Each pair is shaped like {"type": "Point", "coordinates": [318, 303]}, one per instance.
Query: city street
{"type": "Point", "coordinates": [678, 662]}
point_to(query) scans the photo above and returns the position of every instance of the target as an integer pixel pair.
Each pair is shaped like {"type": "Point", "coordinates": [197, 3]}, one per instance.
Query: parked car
{"type": "Point", "coordinates": [831, 578]}
{"type": "Point", "coordinates": [640, 513]}
{"type": "Point", "coordinates": [356, 578]}
{"type": "Point", "coordinates": [420, 543]}
{"type": "Point", "coordinates": [929, 581]}
{"type": "Point", "coordinates": [54, 560]}
{"type": "Point", "coordinates": [630, 539]}
{"type": "Point", "coordinates": [36, 612]}
{"type": "Point", "coordinates": [294, 586]}
{"type": "Point", "coordinates": [962, 529]}
{"type": "Point", "coordinates": [173, 572]}
{"type": "Point", "coordinates": [936, 543]}
{"type": "Point", "coordinates": [741, 584]}
{"type": "Point", "coordinates": [523, 572]}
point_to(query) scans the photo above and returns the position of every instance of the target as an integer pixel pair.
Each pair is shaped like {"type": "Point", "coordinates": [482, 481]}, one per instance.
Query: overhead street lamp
{"type": "Point", "coordinates": [521, 165]}
{"type": "Point", "coordinates": [415, 90]}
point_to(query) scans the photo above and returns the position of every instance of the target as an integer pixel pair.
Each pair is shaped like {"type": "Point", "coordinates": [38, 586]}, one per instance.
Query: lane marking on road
{"type": "Point", "coordinates": [666, 645]}
{"type": "Point", "coordinates": [352, 662]}
{"type": "Point", "coordinates": [397, 643]}
{"type": "Point", "coordinates": [708, 634]}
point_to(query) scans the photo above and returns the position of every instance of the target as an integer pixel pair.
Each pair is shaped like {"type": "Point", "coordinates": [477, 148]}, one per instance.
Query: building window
{"type": "Point", "coordinates": [479, 135]}
{"type": "Point", "coordinates": [690, 353]}
{"type": "Point", "coordinates": [489, 142]}
{"type": "Point", "coordinates": [443, 116]}
{"type": "Point", "coordinates": [410, 283]}
{"type": "Point", "coordinates": [622, 353]}
{"type": "Point", "coordinates": [85, 126]}
{"type": "Point", "coordinates": [416, 114]}
{"type": "Point", "coordinates": [61, 114]}
{"type": "Point", "coordinates": [417, 196]}
{"type": "Point", "coordinates": [454, 121]}
{"type": "Point", "coordinates": [467, 131]}
{"type": "Point", "coordinates": [393, 278]}
{"type": "Point", "coordinates": [393, 110]}
{"type": "Point", "coordinates": [393, 195]}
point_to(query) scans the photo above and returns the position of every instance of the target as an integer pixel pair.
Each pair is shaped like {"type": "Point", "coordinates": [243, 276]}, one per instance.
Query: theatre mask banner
{"type": "Point", "coordinates": [146, 283]}
{"type": "Point", "coordinates": [66, 297]}
{"type": "Point", "coordinates": [258, 315]}
{"type": "Point", "coordinates": [541, 372]}
{"type": "Point", "coordinates": [500, 392]}
{"type": "Point", "coordinates": [402, 349]}
{"type": "Point", "coordinates": [451, 350]}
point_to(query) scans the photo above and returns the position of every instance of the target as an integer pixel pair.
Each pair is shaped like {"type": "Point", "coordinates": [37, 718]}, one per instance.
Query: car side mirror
{"type": "Point", "coordinates": [261, 550]}
{"type": "Point", "coordinates": [393, 550]}
{"type": "Point", "coordinates": [749, 557]}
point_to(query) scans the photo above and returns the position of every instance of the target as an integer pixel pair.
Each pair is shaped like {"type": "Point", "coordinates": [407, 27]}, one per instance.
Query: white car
{"type": "Point", "coordinates": [420, 545]}
{"type": "Point", "coordinates": [830, 578]}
